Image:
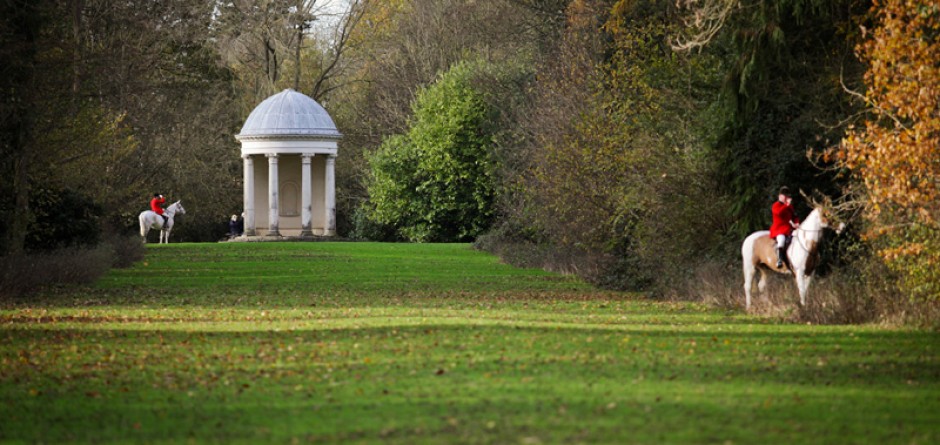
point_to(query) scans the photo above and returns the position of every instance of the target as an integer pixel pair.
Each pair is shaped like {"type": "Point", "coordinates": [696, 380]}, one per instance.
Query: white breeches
{"type": "Point", "coordinates": [781, 241]}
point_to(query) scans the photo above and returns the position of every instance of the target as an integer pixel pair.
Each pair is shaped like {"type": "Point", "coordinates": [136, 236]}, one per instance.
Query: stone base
{"type": "Point", "coordinates": [269, 238]}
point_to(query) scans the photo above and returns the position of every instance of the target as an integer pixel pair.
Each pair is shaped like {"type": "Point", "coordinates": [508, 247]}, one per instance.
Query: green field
{"type": "Point", "coordinates": [407, 343]}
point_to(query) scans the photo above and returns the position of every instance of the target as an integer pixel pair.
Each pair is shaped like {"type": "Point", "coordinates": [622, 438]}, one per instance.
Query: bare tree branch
{"type": "Point", "coordinates": [705, 20]}
{"type": "Point", "coordinates": [340, 43]}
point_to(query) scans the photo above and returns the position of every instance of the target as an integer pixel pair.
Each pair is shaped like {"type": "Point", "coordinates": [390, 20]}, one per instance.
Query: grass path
{"type": "Point", "coordinates": [404, 343]}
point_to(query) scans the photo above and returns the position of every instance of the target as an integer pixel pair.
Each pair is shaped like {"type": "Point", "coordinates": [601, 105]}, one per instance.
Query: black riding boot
{"type": "Point", "coordinates": [779, 257]}
{"type": "Point", "coordinates": [165, 220]}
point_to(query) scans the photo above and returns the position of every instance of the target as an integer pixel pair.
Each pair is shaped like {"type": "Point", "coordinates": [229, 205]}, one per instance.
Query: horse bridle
{"type": "Point", "coordinates": [800, 240]}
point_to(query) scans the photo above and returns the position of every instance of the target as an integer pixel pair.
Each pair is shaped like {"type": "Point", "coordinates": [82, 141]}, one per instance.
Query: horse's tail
{"type": "Point", "coordinates": [747, 254]}
{"type": "Point", "coordinates": [747, 250]}
{"type": "Point", "coordinates": [143, 224]}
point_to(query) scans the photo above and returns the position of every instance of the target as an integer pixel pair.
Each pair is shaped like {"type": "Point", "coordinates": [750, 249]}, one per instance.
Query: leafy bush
{"type": "Point", "coordinates": [435, 183]}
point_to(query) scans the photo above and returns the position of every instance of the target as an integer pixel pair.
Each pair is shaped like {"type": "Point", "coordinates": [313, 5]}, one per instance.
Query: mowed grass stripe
{"type": "Point", "coordinates": [325, 266]}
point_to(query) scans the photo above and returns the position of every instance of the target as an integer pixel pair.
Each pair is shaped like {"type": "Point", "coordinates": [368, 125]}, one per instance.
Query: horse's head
{"type": "Point", "coordinates": [824, 216]}
{"type": "Point", "coordinates": [829, 217]}
{"type": "Point", "coordinates": [176, 208]}
{"type": "Point", "coordinates": [829, 212]}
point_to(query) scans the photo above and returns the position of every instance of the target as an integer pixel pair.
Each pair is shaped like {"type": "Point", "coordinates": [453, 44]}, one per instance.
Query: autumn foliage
{"type": "Point", "coordinates": [896, 153]}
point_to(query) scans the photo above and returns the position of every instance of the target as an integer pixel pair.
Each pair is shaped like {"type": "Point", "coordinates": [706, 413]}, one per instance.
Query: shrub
{"type": "Point", "coordinates": [127, 250]}
{"type": "Point", "coordinates": [598, 268]}
{"type": "Point", "coordinates": [60, 217]}
{"type": "Point", "coordinates": [25, 274]}
{"type": "Point", "coordinates": [364, 228]}
{"type": "Point", "coordinates": [862, 291]}
{"type": "Point", "coordinates": [435, 183]}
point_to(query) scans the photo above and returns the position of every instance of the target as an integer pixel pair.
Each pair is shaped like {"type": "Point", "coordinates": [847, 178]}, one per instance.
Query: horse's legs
{"type": "Point", "coordinates": [802, 283]}
{"type": "Point", "coordinates": [762, 284]}
{"type": "Point", "coordinates": [165, 234]}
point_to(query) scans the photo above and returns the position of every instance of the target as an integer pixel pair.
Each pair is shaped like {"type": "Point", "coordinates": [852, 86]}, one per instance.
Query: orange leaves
{"type": "Point", "coordinates": [907, 249]}
{"type": "Point", "coordinates": [896, 155]}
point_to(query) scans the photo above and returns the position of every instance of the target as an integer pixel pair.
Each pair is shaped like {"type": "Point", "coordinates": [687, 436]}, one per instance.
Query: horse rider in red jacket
{"type": "Point", "coordinates": [155, 205]}
{"type": "Point", "coordinates": [785, 221]}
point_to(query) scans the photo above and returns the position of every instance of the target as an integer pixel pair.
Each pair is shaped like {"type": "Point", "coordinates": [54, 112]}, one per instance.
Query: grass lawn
{"type": "Point", "coordinates": [405, 343]}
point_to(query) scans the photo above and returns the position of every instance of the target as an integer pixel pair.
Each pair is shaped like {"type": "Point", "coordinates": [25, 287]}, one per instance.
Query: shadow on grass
{"type": "Point", "coordinates": [869, 359]}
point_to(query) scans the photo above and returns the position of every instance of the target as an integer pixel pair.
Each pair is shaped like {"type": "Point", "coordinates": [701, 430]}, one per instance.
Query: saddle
{"type": "Point", "coordinates": [765, 248]}
{"type": "Point", "coordinates": [165, 219]}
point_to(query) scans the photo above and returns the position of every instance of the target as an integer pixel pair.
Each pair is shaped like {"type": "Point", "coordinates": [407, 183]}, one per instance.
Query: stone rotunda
{"type": "Point", "coordinates": [289, 145]}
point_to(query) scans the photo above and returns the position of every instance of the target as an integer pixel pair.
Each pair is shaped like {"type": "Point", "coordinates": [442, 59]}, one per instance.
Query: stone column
{"type": "Point", "coordinates": [249, 176]}
{"type": "Point", "coordinates": [272, 195]}
{"type": "Point", "coordinates": [329, 223]}
{"type": "Point", "coordinates": [306, 214]}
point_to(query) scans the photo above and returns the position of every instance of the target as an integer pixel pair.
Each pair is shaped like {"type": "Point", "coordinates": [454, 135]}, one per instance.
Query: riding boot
{"type": "Point", "coordinates": [165, 220]}
{"type": "Point", "coordinates": [779, 257]}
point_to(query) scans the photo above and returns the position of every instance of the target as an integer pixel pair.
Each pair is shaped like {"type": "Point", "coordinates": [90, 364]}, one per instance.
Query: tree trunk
{"type": "Point", "coordinates": [300, 39]}
{"type": "Point", "coordinates": [21, 212]}
{"type": "Point", "coordinates": [77, 6]}
{"type": "Point", "coordinates": [24, 22]}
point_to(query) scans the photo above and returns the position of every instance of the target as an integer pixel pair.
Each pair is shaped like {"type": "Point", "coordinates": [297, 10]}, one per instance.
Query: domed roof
{"type": "Point", "coordinates": [289, 113]}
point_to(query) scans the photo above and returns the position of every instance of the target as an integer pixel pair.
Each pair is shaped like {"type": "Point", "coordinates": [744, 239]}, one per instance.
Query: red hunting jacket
{"type": "Point", "coordinates": [783, 214]}
{"type": "Point", "coordinates": [155, 205]}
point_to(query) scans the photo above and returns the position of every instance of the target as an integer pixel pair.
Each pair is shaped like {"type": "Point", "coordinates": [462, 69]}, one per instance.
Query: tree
{"type": "Point", "coordinates": [154, 66]}
{"type": "Point", "coordinates": [111, 101]}
{"type": "Point", "coordinates": [896, 153]}
{"type": "Point", "coordinates": [19, 28]}
{"type": "Point", "coordinates": [784, 99]}
{"type": "Point", "coordinates": [336, 52]}
{"type": "Point", "coordinates": [51, 129]}
{"type": "Point", "coordinates": [435, 183]}
{"type": "Point", "coordinates": [782, 92]}
{"type": "Point", "coordinates": [400, 47]}
{"type": "Point", "coordinates": [619, 164]}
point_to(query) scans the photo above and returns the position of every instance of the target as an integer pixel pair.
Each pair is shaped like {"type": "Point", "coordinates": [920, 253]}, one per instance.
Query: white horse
{"type": "Point", "coordinates": [150, 220]}
{"type": "Point", "coordinates": [759, 254]}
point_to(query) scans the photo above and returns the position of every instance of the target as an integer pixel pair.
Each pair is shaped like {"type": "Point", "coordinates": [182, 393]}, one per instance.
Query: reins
{"type": "Point", "coordinates": [800, 239]}
{"type": "Point", "coordinates": [171, 210]}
